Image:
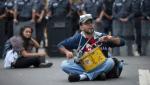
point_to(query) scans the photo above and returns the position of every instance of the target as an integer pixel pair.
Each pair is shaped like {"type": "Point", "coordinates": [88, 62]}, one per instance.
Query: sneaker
{"type": "Point", "coordinates": [136, 53]}
{"type": "Point", "coordinates": [45, 65]}
{"type": "Point", "coordinates": [74, 78]}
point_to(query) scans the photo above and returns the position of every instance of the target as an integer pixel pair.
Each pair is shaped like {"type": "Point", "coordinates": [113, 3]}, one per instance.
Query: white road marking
{"type": "Point", "coordinates": [144, 77]}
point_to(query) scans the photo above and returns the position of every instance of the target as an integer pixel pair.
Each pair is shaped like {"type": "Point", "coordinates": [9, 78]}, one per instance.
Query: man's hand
{"type": "Point", "coordinates": [65, 51]}
{"type": "Point", "coordinates": [106, 38]}
{"type": "Point", "coordinates": [69, 55]}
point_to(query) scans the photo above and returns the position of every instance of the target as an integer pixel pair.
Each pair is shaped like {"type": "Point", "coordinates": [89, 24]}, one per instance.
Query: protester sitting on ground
{"type": "Point", "coordinates": [19, 51]}
{"type": "Point", "coordinates": [85, 42]}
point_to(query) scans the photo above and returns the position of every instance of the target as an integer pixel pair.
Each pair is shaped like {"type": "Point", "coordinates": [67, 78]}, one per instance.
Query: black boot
{"type": "Point", "coordinates": [74, 77]}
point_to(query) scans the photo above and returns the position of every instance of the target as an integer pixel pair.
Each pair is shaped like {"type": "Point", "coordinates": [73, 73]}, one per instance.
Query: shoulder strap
{"type": "Point", "coordinates": [80, 50]}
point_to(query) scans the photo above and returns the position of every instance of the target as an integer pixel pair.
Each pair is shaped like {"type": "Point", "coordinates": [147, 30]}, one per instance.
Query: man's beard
{"type": "Point", "coordinates": [89, 31]}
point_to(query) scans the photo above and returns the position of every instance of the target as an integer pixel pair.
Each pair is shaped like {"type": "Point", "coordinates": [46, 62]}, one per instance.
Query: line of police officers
{"type": "Point", "coordinates": [129, 19]}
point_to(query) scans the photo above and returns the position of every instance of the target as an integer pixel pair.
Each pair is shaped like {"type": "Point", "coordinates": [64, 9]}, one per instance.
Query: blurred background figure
{"type": "Point", "coordinates": [2, 25]}
{"type": "Point", "coordinates": [94, 7]}
{"type": "Point", "coordinates": [40, 23]}
{"type": "Point", "coordinates": [105, 17]}
{"type": "Point", "coordinates": [76, 11]}
{"type": "Point", "coordinates": [58, 8]}
{"type": "Point", "coordinates": [145, 31]}
{"type": "Point", "coordinates": [59, 23]}
{"type": "Point", "coordinates": [23, 15]}
{"type": "Point", "coordinates": [123, 26]}
{"type": "Point", "coordinates": [9, 7]}
{"type": "Point", "coordinates": [137, 26]}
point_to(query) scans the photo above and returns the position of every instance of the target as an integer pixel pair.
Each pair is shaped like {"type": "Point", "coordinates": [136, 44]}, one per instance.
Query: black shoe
{"type": "Point", "coordinates": [74, 78]}
{"type": "Point", "coordinates": [101, 77]}
{"type": "Point", "coordinates": [45, 65]}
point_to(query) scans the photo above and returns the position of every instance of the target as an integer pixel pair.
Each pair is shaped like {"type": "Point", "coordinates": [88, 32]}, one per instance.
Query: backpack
{"type": "Point", "coordinates": [116, 70]}
{"type": "Point", "coordinates": [7, 47]}
{"type": "Point", "coordinates": [9, 54]}
{"type": "Point", "coordinates": [11, 57]}
{"type": "Point", "coordinates": [14, 43]}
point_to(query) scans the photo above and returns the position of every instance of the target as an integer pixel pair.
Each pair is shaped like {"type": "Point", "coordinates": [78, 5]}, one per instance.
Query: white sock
{"type": "Point", "coordinates": [83, 76]}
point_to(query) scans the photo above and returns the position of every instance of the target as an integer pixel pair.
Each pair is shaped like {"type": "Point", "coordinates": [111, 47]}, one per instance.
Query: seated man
{"type": "Point", "coordinates": [85, 41]}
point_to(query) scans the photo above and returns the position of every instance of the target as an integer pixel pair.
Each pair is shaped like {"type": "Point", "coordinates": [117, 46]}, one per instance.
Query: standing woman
{"type": "Point", "coordinates": [27, 57]}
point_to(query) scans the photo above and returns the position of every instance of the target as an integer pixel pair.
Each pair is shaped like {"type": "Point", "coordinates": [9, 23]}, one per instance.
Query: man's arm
{"type": "Point", "coordinates": [66, 45]}
{"type": "Point", "coordinates": [116, 41]}
{"type": "Point", "coordinates": [67, 53]}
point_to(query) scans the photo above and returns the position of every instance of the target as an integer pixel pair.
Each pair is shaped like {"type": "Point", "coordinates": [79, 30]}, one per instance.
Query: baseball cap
{"type": "Point", "coordinates": [85, 17]}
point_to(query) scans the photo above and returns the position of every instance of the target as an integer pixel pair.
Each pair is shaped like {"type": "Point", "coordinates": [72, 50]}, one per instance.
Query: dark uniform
{"type": "Point", "coordinates": [77, 10]}
{"type": "Point", "coordinates": [9, 18]}
{"type": "Point", "coordinates": [92, 7]}
{"type": "Point", "coordinates": [59, 8]}
{"type": "Point", "coordinates": [145, 30]}
{"type": "Point", "coordinates": [39, 7]}
{"type": "Point", "coordinates": [59, 11]}
{"type": "Point", "coordinates": [123, 25]}
{"type": "Point", "coordinates": [24, 15]}
{"type": "Point", "coordinates": [59, 23]}
{"type": "Point", "coordinates": [2, 25]}
{"type": "Point", "coordinates": [106, 24]}
{"type": "Point", "coordinates": [137, 25]}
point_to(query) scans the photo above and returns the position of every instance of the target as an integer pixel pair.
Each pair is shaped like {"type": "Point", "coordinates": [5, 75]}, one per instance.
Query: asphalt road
{"type": "Point", "coordinates": [55, 76]}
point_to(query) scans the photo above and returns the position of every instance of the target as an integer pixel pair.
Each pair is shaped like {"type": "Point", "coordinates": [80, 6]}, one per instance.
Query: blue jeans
{"type": "Point", "coordinates": [70, 67]}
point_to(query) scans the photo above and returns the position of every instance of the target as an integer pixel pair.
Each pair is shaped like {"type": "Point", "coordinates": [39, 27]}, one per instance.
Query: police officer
{"type": "Point", "coordinates": [59, 16]}
{"type": "Point", "coordinates": [137, 25]}
{"type": "Point", "coordinates": [145, 30]}
{"type": "Point", "coordinates": [76, 11]}
{"type": "Point", "coordinates": [106, 16]}
{"type": "Point", "coordinates": [92, 7]}
{"type": "Point", "coordinates": [9, 18]}
{"type": "Point", "coordinates": [58, 8]}
{"type": "Point", "coordinates": [123, 25]}
{"type": "Point", "coordinates": [2, 25]}
{"type": "Point", "coordinates": [23, 15]}
{"type": "Point", "coordinates": [39, 11]}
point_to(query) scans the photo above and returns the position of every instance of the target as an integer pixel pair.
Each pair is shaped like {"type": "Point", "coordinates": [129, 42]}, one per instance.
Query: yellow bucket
{"type": "Point", "coordinates": [92, 59]}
